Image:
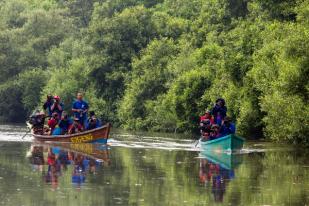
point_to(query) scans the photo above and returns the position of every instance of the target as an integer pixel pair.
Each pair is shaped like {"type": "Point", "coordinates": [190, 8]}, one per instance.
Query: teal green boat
{"type": "Point", "coordinates": [223, 144]}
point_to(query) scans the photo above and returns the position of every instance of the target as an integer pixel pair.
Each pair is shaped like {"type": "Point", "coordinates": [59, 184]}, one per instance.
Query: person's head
{"type": "Point", "coordinates": [93, 120]}
{"type": "Point", "coordinates": [207, 114]}
{"type": "Point", "coordinates": [215, 127]}
{"type": "Point", "coordinates": [76, 121]}
{"type": "Point", "coordinates": [220, 102]}
{"type": "Point", "coordinates": [57, 98]}
{"type": "Point", "coordinates": [79, 96]}
{"type": "Point", "coordinates": [206, 121]}
{"type": "Point", "coordinates": [49, 97]}
{"type": "Point", "coordinates": [227, 120]}
{"type": "Point", "coordinates": [91, 113]}
{"type": "Point", "coordinates": [55, 115]}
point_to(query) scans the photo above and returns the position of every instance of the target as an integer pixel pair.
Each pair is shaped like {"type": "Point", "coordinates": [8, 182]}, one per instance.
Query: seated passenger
{"type": "Point", "coordinates": [206, 136]}
{"type": "Point", "coordinates": [207, 115]}
{"type": "Point", "coordinates": [75, 127]}
{"type": "Point", "coordinates": [215, 133]}
{"type": "Point", "coordinates": [56, 131]}
{"type": "Point", "coordinates": [65, 123]}
{"type": "Point", "coordinates": [219, 111]}
{"type": "Point", "coordinates": [53, 122]}
{"type": "Point", "coordinates": [205, 126]}
{"type": "Point", "coordinates": [37, 121]}
{"type": "Point", "coordinates": [227, 127]}
{"type": "Point", "coordinates": [93, 122]}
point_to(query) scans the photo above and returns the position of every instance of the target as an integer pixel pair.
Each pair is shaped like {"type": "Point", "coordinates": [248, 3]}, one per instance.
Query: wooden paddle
{"type": "Point", "coordinates": [30, 128]}
{"type": "Point", "coordinates": [26, 134]}
{"type": "Point", "coordinates": [198, 141]}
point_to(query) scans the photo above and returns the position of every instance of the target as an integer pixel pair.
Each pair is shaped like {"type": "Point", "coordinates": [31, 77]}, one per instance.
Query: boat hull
{"type": "Point", "coordinates": [227, 143]}
{"type": "Point", "coordinates": [100, 134]}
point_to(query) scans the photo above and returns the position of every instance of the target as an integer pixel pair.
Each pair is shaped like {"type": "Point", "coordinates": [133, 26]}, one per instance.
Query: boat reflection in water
{"type": "Point", "coordinates": [217, 170]}
{"type": "Point", "coordinates": [55, 160]}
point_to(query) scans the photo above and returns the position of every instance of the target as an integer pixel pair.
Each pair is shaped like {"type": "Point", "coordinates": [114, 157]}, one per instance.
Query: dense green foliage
{"type": "Point", "coordinates": [157, 65]}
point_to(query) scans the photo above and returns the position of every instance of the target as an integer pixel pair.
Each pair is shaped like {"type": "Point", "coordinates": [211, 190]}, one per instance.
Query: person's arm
{"type": "Point", "coordinates": [45, 106]}
{"type": "Point", "coordinates": [99, 123]}
{"type": "Point", "coordinates": [86, 108]}
{"type": "Point", "coordinates": [74, 109]}
{"type": "Point", "coordinates": [59, 105]}
{"type": "Point", "coordinates": [70, 129]}
{"type": "Point", "coordinates": [223, 111]}
{"type": "Point", "coordinates": [232, 129]}
{"type": "Point", "coordinates": [214, 110]}
{"type": "Point", "coordinates": [80, 128]}
{"type": "Point", "coordinates": [53, 107]}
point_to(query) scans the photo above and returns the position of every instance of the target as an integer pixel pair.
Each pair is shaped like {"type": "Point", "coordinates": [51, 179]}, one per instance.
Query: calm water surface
{"type": "Point", "coordinates": [145, 169]}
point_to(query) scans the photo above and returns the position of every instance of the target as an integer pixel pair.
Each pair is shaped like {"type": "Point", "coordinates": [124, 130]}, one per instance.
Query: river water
{"type": "Point", "coordinates": [148, 169]}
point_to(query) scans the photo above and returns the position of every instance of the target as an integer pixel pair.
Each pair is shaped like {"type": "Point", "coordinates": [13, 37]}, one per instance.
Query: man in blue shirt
{"type": "Point", "coordinates": [80, 109]}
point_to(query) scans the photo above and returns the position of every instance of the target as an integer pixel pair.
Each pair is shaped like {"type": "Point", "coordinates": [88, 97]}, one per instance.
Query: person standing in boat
{"type": "Point", "coordinates": [80, 109]}
{"type": "Point", "coordinates": [47, 105]}
{"type": "Point", "coordinates": [57, 106]}
{"type": "Point", "coordinates": [219, 111]}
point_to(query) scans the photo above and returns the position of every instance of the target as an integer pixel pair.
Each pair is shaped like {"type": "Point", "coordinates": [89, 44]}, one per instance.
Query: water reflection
{"type": "Point", "coordinates": [216, 170]}
{"type": "Point", "coordinates": [215, 176]}
{"type": "Point", "coordinates": [78, 159]}
{"type": "Point", "coordinates": [155, 171]}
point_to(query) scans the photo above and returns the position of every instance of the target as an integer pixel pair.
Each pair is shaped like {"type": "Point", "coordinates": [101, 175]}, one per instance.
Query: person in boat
{"type": "Point", "coordinates": [76, 127]}
{"type": "Point", "coordinates": [37, 121]}
{"type": "Point", "coordinates": [215, 132]}
{"type": "Point", "coordinates": [53, 122]}
{"type": "Point", "coordinates": [219, 111]}
{"type": "Point", "coordinates": [80, 109]}
{"type": "Point", "coordinates": [65, 123]}
{"type": "Point", "coordinates": [57, 106]}
{"type": "Point", "coordinates": [227, 127]}
{"type": "Point", "coordinates": [205, 126]}
{"type": "Point", "coordinates": [207, 115]}
{"type": "Point", "coordinates": [205, 136]}
{"type": "Point", "coordinates": [48, 104]}
{"type": "Point", "coordinates": [93, 122]}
